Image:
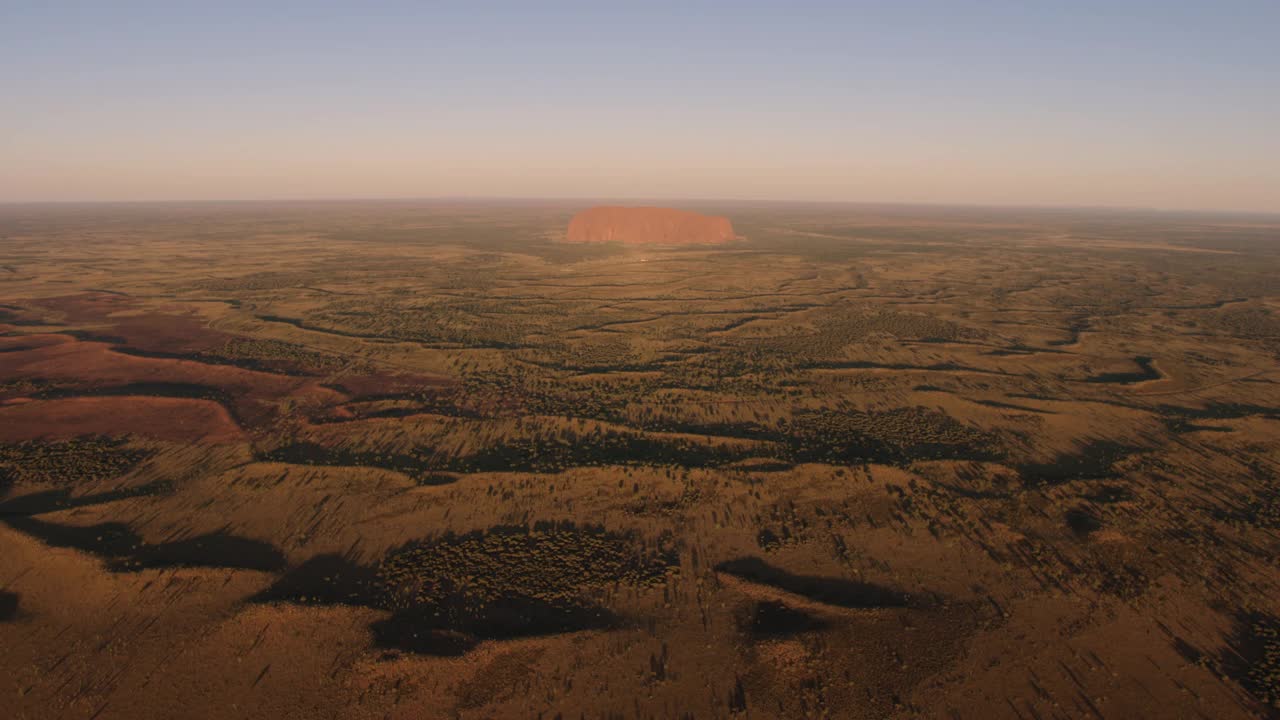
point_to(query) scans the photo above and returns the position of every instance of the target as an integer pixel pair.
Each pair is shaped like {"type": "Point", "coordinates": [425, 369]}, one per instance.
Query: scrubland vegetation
{"type": "Point", "coordinates": [428, 460]}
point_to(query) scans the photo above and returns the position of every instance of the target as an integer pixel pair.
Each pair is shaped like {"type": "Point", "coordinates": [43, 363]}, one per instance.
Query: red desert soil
{"type": "Point", "coordinates": [161, 418]}
{"type": "Point", "coordinates": [145, 331]}
{"type": "Point", "coordinates": [23, 343]}
{"type": "Point", "coordinates": [89, 306]}
{"type": "Point", "coordinates": [93, 365]}
{"type": "Point", "coordinates": [648, 225]}
{"type": "Point", "coordinates": [97, 363]}
{"type": "Point", "coordinates": [366, 386]}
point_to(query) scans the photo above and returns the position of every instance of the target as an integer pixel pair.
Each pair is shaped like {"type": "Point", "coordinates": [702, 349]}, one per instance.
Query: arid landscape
{"type": "Point", "coordinates": [433, 460]}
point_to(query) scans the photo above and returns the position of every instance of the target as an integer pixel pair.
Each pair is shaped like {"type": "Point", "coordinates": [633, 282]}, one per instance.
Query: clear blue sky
{"type": "Point", "coordinates": [1158, 104]}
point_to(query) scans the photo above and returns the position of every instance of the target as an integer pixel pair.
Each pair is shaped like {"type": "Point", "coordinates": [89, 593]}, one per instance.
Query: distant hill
{"type": "Point", "coordinates": [649, 225]}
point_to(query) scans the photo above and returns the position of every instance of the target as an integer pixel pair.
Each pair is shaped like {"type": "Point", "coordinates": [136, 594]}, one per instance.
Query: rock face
{"type": "Point", "coordinates": [648, 225]}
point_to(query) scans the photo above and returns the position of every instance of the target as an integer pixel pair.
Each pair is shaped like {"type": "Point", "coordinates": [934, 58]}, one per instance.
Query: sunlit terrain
{"type": "Point", "coordinates": [412, 459]}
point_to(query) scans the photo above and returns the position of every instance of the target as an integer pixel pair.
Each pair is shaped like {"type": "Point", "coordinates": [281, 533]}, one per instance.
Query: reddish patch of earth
{"type": "Point", "coordinates": [87, 307]}
{"type": "Point", "coordinates": [375, 386]}
{"type": "Point", "coordinates": [161, 418]}
{"type": "Point", "coordinates": [22, 343]}
{"type": "Point", "coordinates": [133, 349]}
{"type": "Point", "coordinates": [147, 331]}
{"type": "Point", "coordinates": [90, 366]}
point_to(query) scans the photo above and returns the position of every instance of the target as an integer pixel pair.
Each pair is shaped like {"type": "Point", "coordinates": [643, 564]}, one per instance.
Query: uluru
{"type": "Point", "coordinates": [649, 225]}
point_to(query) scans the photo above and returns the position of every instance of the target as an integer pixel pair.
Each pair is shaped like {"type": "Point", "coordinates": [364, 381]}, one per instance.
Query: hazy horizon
{"type": "Point", "coordinates": [576, 202]}
{"type": "Point", "coordinates": [1136, 105]}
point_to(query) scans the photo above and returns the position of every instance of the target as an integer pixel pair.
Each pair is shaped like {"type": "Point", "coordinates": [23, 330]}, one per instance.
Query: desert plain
{"type": "Point", "coordinates": [413, 459]}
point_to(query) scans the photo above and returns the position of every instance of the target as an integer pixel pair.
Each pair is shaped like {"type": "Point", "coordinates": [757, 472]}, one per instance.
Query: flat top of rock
{"type": "Point", "coordinates": [648, 225]}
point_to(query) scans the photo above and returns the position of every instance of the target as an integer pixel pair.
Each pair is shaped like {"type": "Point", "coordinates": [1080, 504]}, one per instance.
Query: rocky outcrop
{"type": "Point", "coordinates": [648, 225]}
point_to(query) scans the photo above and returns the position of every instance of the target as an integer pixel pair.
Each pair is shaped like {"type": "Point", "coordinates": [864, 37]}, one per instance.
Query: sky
{"type": "Point", "coordinates": [1172, 104]}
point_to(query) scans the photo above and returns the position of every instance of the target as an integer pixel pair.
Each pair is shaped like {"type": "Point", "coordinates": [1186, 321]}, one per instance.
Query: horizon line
{"type": "Point", "coordinates": [337, 199]}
